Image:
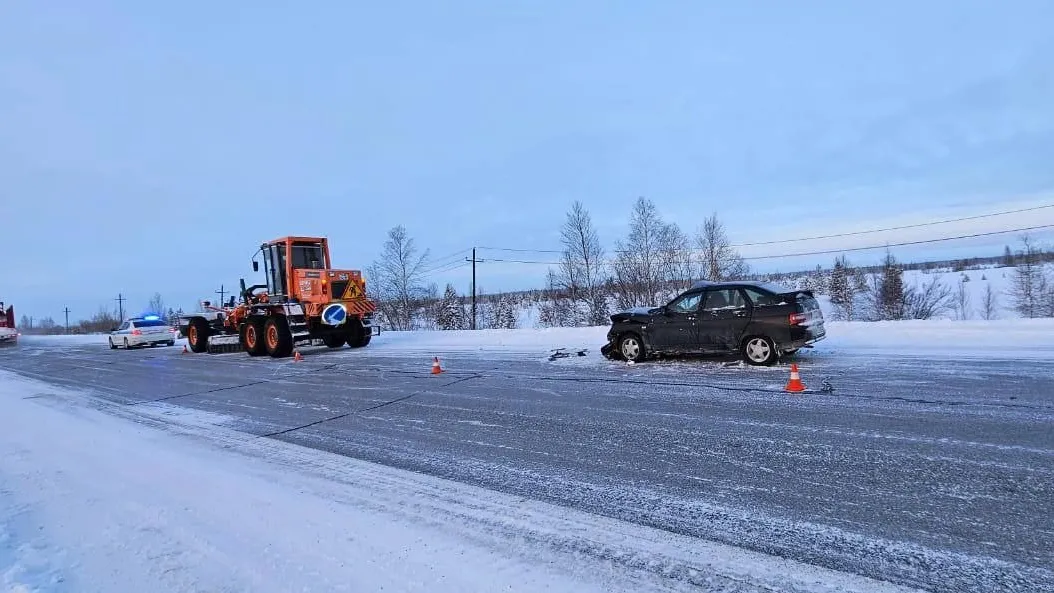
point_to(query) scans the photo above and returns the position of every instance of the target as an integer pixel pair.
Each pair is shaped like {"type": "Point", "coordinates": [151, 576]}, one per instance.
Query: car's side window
{"type": "Point", "coordinates": [687, 304]}
{"type": "Point", "coordinates": [724, 300]}
{"type": "Point", "coordinates": [760, 299]}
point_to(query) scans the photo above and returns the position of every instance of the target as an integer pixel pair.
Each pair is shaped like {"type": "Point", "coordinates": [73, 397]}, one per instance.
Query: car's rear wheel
{"type": "Point", "coordinates": [631, 347]}
{"type": "Point", "coordinates": [126, 347]}
{"type": "Point", "coordinates": [759, 351]}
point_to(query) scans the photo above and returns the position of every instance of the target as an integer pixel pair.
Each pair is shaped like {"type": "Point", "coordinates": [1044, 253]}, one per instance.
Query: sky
{"type": "Point", "coordinates": [151, 147]}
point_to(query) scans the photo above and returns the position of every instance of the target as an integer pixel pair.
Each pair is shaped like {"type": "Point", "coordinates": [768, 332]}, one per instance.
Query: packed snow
{"type": "Point", "coordinates": [1002, 338]}
{"type": "Point", "coordinates": [97, 497]}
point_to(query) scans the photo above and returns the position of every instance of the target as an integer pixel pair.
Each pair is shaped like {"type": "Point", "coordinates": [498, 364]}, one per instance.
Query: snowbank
{"type": "Point", "coordinates": [72, 340]}
{"type": "Point", "coordinates": [1009, 338]}
{"type": "Point", "coordinates": [168, 500]}
{"type": "Point", "coordinates": [1005, 338]}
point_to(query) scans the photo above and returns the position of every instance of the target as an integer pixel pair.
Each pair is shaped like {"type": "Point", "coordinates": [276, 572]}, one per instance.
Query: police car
{"type": "Point", "coordinates": [148, 330]}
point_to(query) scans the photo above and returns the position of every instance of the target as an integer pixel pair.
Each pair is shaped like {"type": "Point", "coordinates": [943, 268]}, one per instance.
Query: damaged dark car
{"type": "Point", "coordinates": [759, 321]}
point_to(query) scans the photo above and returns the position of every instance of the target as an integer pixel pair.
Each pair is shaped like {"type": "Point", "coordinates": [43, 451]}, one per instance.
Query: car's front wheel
{"type": "Point", "coordinates": [112, 345]}
{"type": "Point", "coordinates": [759, 350]}
{"type": "Point", "coordinates": [632, 348]}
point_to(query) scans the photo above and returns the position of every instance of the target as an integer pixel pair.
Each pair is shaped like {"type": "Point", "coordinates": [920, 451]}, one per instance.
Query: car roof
{"type": "Point", "coordinates": [730, 284]}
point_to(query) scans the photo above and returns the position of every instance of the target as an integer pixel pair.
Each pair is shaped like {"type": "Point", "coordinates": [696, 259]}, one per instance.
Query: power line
{"type": "Point", "coordinates": [895, 228]}
{"type": "Point", "coordinates": [522, 261]}
{"type": "Point", "coordinates": [902, 244]}
{"type": "Point", "coordinates": [440, 262]}
{"type": "Point", "coordinates": [817, 237]}
{"type": "Point", "coordinates": [830, 251]}
{"type": "Point", "coordinates": [510, 249]}
{"type": "Point", "coordinates": [446, 268]}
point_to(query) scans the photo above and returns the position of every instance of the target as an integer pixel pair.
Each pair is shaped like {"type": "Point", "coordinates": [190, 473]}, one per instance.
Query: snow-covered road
{"type": "Point", "coordinates": [105, 498]}
{"type": "Point", "coordinates": [926, 471]}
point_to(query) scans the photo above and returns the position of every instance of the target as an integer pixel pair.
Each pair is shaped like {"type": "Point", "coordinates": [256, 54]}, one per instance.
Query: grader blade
{"type": "Point", "coordinates": [224, 344]}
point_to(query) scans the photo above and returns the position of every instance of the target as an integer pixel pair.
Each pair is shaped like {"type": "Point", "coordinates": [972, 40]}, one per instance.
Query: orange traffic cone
{"type": "Point", "coordinates": [436, 369]}
{"type": "Point", "coordinates": [795, 385]}
{"type": "Point", "coordinates": [297, 357]}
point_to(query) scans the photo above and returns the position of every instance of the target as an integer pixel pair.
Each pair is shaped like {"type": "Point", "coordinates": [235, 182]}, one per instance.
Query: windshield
{"type": "Point", "coordinates": [308, 256]}
{"type": "Point", "coordinates": [148, 323]}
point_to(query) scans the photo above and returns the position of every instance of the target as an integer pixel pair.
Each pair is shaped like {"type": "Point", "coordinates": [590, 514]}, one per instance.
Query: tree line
{"type": "Point", "coordinates": [102, 321]}
{"type": "Point", "coordinates": [657, 259]}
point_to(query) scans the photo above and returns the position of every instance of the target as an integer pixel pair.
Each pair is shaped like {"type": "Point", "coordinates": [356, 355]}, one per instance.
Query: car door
{"type": "Point", "coordinates": [724, 315]}
{"type": "Point", "coordinates": [674, 329]}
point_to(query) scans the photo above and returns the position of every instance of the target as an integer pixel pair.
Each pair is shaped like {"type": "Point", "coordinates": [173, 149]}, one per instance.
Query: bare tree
{"type": "Point", "coordinates": [1046, 291]}
{"type": "Point", "coordinates": [963, 306]}
{"type": "Point", "coordinates": [679, 270]}
{"type": "Point", "coordinates": [156, 304]}
{"type": "Point", "coordinates": [398, 279]}
{"type": "Point", "coordinates": [927, 301]}
{"type": "Point", "coordinates": [651, 258]}
{"type": "Point", "coordinates": [103, 321]}
{"type": "Point", "coordinates": [718, 259]}
{"type": "Point", "coordinates": [582, 267]}
{"type": "Point", "coordinates": [989, 303]}
{"type": "Point", "coordinates": [556, 308]}
{"type": "Point", "coordinates": [1027, 285]}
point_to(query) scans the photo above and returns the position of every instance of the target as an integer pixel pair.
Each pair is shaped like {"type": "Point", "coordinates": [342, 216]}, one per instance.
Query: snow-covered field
{"type": "Point", "coordinates": [118, 499]}
{"type": "Point", "coordinates": [1000, 338]}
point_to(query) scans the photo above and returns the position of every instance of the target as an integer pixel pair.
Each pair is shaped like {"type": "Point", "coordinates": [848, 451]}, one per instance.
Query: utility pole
{"type": "Point", "coordinates": [67, 311]}
{"type": "Point", "coordinates": [474, 262]}
{"type": "Point", "coordinates": [221, 292]}
{"type": "Point", "coordinates": [120, 307]}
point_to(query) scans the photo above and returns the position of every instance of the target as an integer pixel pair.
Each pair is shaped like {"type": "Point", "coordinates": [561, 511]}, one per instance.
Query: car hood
{"type": "Point", "coordinates": [635, 314]}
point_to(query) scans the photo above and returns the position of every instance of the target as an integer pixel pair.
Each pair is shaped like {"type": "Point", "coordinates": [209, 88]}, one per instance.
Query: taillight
{"type": "Point", "coordinates": [797, 318]}
{"type": "Point", "coordinates": [137, 332]}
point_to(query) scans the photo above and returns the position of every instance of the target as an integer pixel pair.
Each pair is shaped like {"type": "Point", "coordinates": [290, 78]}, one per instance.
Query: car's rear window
{"type": "Point", "coordinates": [148, 322]}
{"type": "Point", "coordinates": [761, 299]}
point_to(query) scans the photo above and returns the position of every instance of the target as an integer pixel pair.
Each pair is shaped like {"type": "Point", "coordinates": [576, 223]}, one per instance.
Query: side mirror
{"type": "Point", "coordinates": [256, 266]}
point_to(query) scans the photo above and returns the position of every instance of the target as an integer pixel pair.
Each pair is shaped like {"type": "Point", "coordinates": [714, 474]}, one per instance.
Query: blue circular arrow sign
{"type": "Point", "coordinates": [334, 314]}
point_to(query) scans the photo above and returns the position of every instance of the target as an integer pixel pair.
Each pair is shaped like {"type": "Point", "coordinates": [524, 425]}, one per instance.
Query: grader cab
{"type": "Point", "coordinates": [302, 299]}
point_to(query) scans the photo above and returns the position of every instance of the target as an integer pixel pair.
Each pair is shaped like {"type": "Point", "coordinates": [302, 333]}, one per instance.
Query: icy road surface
{"type": "Point", "coordinates": [920, 471]}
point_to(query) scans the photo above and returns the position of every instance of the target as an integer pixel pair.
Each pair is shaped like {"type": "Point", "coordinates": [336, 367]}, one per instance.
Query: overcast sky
{"type": "Point", "coordinates": [148, 146]}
